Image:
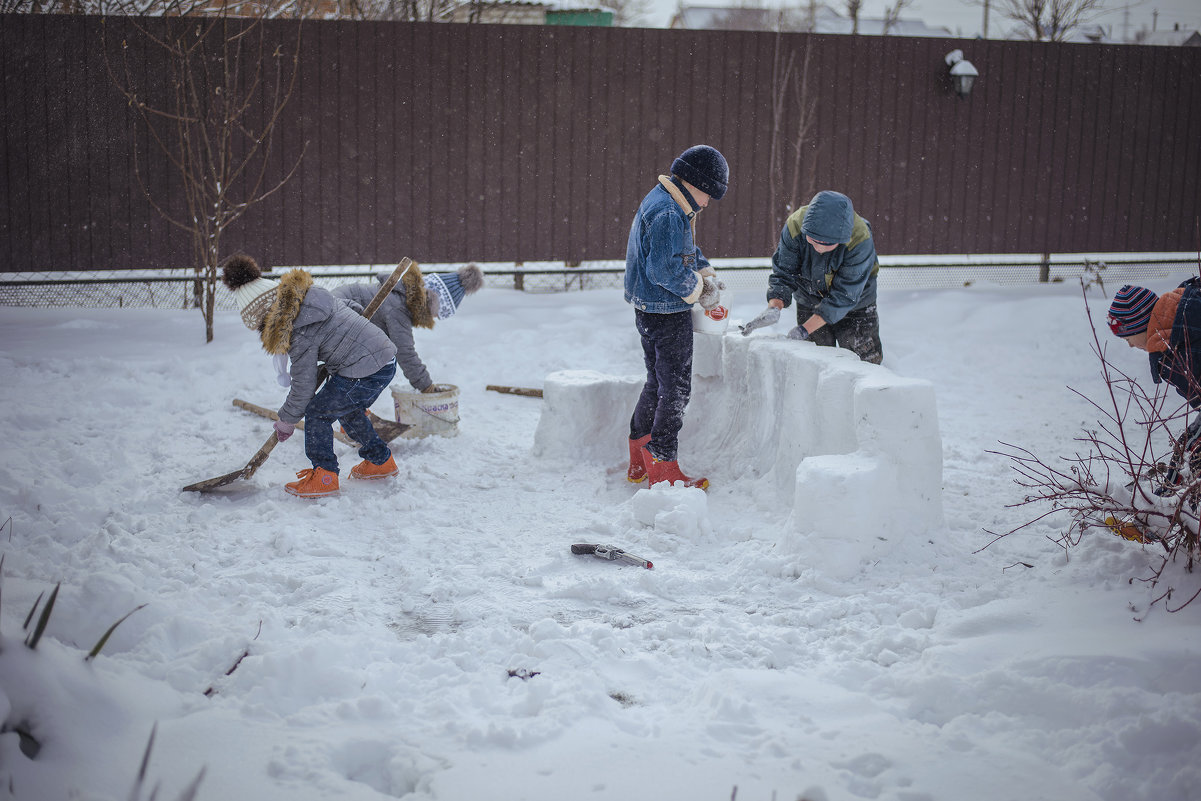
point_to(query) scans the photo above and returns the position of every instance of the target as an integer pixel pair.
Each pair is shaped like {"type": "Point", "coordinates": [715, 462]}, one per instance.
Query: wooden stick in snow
{"type": "Point", "coordinates": [528, 392]}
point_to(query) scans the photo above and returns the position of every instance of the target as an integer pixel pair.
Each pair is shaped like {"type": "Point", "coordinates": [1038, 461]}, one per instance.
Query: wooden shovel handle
{"type": "Point", "coordinates": [387, 287]}
{"type": "Point", "coordinates": [257, 460]}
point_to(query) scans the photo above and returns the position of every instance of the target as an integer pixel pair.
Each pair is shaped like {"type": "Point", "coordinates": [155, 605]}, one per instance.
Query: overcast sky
{"type": "Point", "coordinates": [967, 20]}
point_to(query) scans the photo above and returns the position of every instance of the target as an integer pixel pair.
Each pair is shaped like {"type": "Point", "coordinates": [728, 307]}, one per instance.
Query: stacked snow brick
{"type": "Point", "coordinates": [850, 453]}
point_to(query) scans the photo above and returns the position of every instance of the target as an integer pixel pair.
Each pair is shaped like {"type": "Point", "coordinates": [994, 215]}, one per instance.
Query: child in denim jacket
{"type": "Point", "coordinates": [666, 273]}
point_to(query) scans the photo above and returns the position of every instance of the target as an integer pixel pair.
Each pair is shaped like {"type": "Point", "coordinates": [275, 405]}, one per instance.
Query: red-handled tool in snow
{"type": "Point", "coordinates": [257, 460]}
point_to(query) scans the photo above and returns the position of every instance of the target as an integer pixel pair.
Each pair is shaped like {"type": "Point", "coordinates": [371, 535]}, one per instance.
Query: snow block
{"type": "Point", "coordinates": [850, 452]}
{"type": "Point", "coordinates": [586, 415]}
{"type": "Point", "coordinates": [836, 536]}
{"type": "Point", "coordinates": [706, 354]}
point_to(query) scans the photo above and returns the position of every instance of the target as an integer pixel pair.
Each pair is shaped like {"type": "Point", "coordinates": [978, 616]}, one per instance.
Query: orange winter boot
{"type": "Point", "coordinates": [659, 471]}
{"type": "Point", "coordinates": [637, 469]}
{"type": "Point", "coordinates": [369, 470]}
{"type": "Point", "coordinates": [316, 482]}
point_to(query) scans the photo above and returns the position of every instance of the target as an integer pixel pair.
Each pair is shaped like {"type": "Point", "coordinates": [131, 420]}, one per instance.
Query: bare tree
{"type": "Point", "coordinates": [1046, 20]}
{"type": "Point", "coordinates": [214, 115]}
{"type": "Point", "coordinates": [787, 168]}
{"type": "Point", "coordinates": [1117, 483]}
{"type": "Point", "coordinates": [853, 7]}
{"type": "Point", "coordinates": [630, 13]}
{"type": "Point", "coordinates": [892, 14]}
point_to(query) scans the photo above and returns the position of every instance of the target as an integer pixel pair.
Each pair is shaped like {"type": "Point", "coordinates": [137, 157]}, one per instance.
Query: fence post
{"type": "Point", "coordinates": [1044, 269]}
{"type": "Point", "coordinates": [518, 278]}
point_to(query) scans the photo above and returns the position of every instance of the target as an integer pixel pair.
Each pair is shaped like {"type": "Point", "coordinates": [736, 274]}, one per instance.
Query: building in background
{"type": "Point", "coordinates": [1177, 37]}
{"type": "Point", "coordinates": [530, 12]}
{"type": "Point", "coordinates": [815, 18]}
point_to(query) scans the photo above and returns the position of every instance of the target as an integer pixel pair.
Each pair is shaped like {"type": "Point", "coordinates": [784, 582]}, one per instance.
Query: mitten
{"type": "Point", "coordinates": [283, 430]}
{"type": "Point", "coordinates": [798, 333]}
{"type": "Point", "coordinates": [280, 360]}
{"type": "Point", "coordinates": [432, 388]}
{"type": "Point", "coordinates": [769, 316]}
{"type": "Point", "coordinates": [710, 295]}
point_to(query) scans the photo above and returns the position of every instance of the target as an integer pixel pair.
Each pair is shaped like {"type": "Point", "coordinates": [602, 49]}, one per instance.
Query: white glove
{"type": "Point", "coordinates": [769, 316]}
{"type": "Point", "coordinates": [800, 332]}
{"type": "Point", "coordinates": [710, 296]}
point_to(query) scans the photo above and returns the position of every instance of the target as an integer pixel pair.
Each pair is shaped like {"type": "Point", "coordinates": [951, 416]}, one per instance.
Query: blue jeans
{"type": "Point", "coordinates": [344, 400]}
{"type": "Point", "coordinates": [667, 351]}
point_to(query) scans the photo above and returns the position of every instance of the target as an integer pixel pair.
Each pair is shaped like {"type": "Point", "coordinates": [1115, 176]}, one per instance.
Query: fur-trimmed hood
{"type": "Point", "coordinates": [412, 289]}
{"type": "Point", "coordinates": [276, 335]}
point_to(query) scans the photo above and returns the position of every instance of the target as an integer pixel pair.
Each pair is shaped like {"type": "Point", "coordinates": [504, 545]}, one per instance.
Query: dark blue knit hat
{"type": "Point", "coordinates": [1130, 312]}
{"type": "Point", "coordinates": [705, 168]}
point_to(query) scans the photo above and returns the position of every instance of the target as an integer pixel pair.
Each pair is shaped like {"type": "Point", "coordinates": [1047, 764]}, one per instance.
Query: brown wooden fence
{"type": "Point", "coordinates": [512, 143]}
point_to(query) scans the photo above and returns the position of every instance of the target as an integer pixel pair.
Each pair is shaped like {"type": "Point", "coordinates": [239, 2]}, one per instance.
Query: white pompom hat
{"type": "Point", "coordinates": [253, 293]}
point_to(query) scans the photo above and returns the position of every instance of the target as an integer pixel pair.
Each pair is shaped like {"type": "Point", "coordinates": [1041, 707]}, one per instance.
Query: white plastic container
{"type": "Point", "coordinates": [428, 412]}
{"type": "Point", "coordinates": [714, 321]}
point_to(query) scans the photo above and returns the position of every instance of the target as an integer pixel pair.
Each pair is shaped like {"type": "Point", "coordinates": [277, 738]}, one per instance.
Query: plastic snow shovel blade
{"type": "Point", "coordinates": [1129, 530]}
{"type": "Point", "coordinates": [253, 465]}
{"type": "Point", "coordinates": [388, 430]}
{"type": "Point", "coordinates": [609, 553]}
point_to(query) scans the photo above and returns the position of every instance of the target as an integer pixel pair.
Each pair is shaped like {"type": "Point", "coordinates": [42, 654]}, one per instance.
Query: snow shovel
{"type": "Point", "coordinates": [257, 460]}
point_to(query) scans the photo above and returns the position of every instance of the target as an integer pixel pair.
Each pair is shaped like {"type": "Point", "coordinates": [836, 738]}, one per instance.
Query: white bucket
{"type": "Point", "coordinates": [428, 412]}
{"type": "Point", "coordinates": [713, 321]}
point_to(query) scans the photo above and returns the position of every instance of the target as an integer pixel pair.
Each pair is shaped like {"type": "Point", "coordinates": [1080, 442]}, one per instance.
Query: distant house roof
{"type": "Point", "coordinates": [530, 12]}
{"type": "Point", "coordinates": [825, 20]}
{"type": "Point", "coordinates": [875, 27]}
{"type": "Point", "coordinates": [1177, 38]}
{"type": "Point", "coordinates": [723, 18]}
{"type": "Point", "coordinates": [1097, 34]}
{"type": "Point", "coordinates": [578, 5]}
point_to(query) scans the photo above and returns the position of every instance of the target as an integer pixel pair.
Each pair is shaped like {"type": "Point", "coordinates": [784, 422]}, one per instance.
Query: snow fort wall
{"type": "Point", "coordinates": [849, 452]}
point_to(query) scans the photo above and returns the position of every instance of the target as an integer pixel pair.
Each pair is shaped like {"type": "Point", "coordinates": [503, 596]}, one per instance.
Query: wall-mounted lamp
{"type": "Point", "coordinates": [963, 72]}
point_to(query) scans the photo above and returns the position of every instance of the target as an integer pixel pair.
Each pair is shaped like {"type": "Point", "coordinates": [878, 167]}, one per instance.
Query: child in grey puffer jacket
{"type": "Point", "coordinates": [315, 331]}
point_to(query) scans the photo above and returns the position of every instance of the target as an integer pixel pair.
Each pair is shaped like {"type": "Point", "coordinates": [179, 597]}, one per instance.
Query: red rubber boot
{"type": "Point", "coordinates": [659, 471]}
{"type": "Point", "coordinates": [637, 469]}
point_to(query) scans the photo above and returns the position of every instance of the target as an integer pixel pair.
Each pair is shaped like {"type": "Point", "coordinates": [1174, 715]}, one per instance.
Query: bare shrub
{"type": "Point", "coordinates": [1123, 479]}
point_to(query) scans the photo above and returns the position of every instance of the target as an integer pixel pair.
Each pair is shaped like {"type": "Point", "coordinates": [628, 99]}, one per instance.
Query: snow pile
{"type": "Point", "coordinates": [433, 638]}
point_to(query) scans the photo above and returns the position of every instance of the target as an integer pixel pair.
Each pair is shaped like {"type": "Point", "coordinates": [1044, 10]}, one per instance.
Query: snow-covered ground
{"type": "Point", "coordinates": [432, 637]}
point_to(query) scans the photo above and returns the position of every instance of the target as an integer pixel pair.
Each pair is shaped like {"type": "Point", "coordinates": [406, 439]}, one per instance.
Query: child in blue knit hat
{"type": "Point", "coordinates": [417, 301]}
{"type": "Point", "coordinates": [826, 261]}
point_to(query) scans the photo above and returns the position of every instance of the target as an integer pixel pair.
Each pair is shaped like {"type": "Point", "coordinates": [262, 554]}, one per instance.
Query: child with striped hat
{"type": "Point", "coordinates": [1168, 328]}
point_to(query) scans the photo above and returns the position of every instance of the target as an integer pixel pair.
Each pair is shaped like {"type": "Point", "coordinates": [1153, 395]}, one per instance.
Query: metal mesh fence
{"type": "Point", "coordinates": [180, 289]}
